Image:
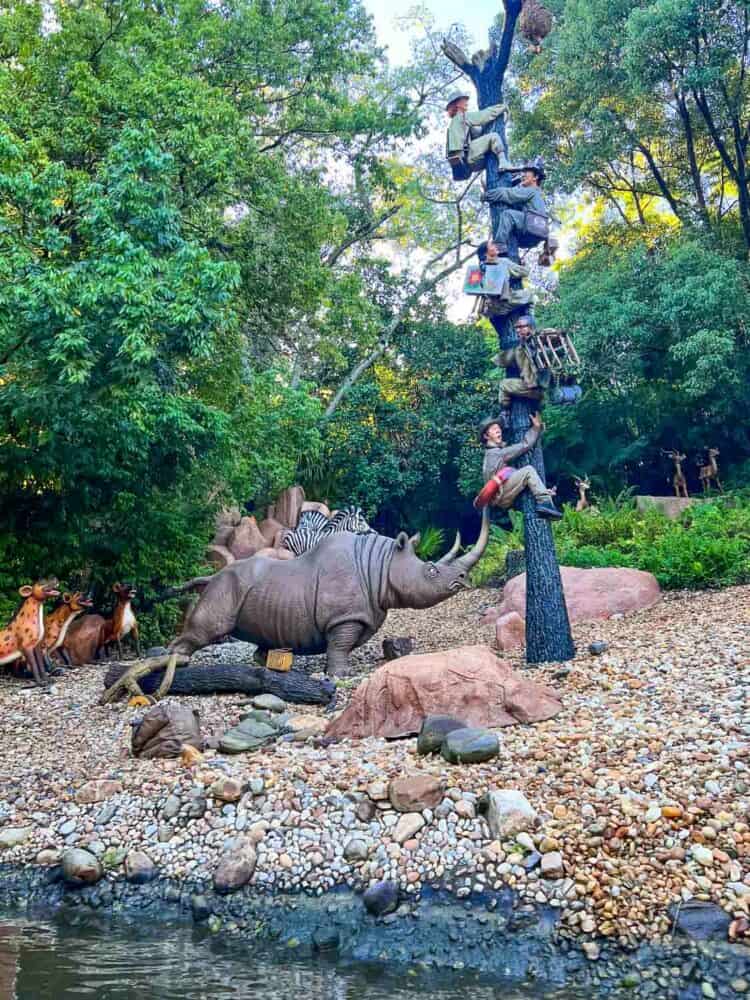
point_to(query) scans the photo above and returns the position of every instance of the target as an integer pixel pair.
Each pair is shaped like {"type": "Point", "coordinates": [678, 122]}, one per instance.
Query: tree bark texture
{"type": "Point", "coordinates": [233, 678]}
{"type": "Point", "coordinates": [548, 635]}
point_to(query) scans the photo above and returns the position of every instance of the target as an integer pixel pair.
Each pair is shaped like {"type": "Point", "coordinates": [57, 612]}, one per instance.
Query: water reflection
{"type": "Point", "coordinates": [62, 961]}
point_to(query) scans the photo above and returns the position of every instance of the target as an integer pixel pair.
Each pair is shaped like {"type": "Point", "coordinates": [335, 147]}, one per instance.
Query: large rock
{"type": "Point", "coordinates": [470, 746]}
{"type": "Point", "coordinates": [469, 682]}
{"type": "Point", "coordinates": [81, 867]}
{"type": "Point", "coordinates": [246, 539]}
{"type": "Point", "coordinates": [12, 836]}
{"type": "Point", "coordinates": [97, 790]}
{"type": "Point", "coordinates": [249, 735]}
{"type": "Point", "coordinates": [589, 593]}
{"type": "Point", "coordinates": [415, 792]}
{"type": "Point", "coordinates": [289, 506]}
{"type": "Point", "coordinates": [508, 812]}
{"type": "Point", "coordinates": [670, 507]}
{"type": "Point", "coordinates": [270, 529]}
{"type": "Point", "coordinates": [510, 631]}
{"type": "Point", "coordinates": [381, 898]}
{"type": "Point", "coordinates": [139, 868]}
{"type": "Point", "coordinates": [407, 827]}
{"type": "Point", "coordinates": [434, 730]}
{"type": "Point", "coordinates": [235, 868]}
{"type": "Point", "coordinates": [699, 920]}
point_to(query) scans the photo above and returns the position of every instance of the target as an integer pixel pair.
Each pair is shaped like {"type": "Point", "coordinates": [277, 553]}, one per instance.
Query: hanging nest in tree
{"type": "Point", "coordinates": [535, 23]}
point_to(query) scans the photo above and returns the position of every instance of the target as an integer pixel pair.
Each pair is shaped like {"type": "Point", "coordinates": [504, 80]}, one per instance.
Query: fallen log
{"type": "Point", "coordinates": [233, 678]}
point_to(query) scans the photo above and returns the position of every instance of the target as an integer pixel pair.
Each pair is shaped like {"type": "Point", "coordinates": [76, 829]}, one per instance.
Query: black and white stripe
{"type": "Point", "coordinates": [314, 526]}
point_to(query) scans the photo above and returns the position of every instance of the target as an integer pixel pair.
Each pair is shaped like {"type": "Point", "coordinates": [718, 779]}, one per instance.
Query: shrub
{"type": "Point", "coordinates": [708, 546]}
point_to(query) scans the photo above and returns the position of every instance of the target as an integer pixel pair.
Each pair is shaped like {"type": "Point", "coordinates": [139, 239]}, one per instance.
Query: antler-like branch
{"type": "Point", "coordinates": [459, 59]}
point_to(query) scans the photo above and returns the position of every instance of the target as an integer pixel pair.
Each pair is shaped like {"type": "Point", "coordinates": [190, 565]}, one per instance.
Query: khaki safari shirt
{"type": "Point", "coordinates": [468, 125]}
{"type": "Point", "coordinates": [496, 458]}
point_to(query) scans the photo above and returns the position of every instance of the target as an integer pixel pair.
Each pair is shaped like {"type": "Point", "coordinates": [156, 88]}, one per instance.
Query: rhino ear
{"type": "Point", "coordinates": [402, 540]}
{"type": "Point", "coordinates": [415, 540]}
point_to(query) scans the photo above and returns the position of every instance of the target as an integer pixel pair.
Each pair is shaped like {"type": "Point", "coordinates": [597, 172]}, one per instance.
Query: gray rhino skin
{"type": "Point", "coordinates": [329, 600]}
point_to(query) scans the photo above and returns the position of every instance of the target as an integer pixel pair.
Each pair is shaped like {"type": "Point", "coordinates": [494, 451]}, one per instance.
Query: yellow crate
{"type": "Point", "coordinates": [279, 659]}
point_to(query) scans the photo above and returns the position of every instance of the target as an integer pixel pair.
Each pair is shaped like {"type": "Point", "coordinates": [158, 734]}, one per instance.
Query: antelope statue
{"type": "Point", "coordinates": [584, 485]}
{"type": "Point", "coordinates": [57, 625]}
{"type": "Point", "coordinates": [679, 482]}
{"type": "Point", "coordinates": [22, 638]}
{"type": "Point", "coordinates": [122, 622]}
{"type": "Point", "coordinates": [89, 638]}
{"type": "Point", "coordinates": [710, 471]}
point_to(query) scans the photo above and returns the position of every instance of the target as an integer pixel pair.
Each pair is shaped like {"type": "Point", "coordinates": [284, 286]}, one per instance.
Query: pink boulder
{"type": "Point", "coordinates": [315, 505]}
{"type": "Point", "coordinates": [288, 506]}
{"type": "Point", "coordinates": [246, 539]}
{"type": "Point", "coordinates": [469, 683]}
{"type": "Point", "coordinates": [591, 593]}
{"type": "Point", "coordinates": [510, 631]}
{"type": "Point", "coordinates": [269, 529]}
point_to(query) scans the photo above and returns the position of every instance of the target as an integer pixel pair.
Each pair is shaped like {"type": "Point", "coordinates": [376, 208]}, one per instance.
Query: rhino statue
{"type": "Point", "coordinates": [329, 600]}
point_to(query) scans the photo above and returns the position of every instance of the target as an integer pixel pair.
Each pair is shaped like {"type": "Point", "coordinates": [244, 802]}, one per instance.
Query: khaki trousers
{"type": "Point", "coordinates": [478, 148]}
{"type": "Point", "coordinates": [517, 387]}
{"type": "Point", "coordinates": [522, 479]}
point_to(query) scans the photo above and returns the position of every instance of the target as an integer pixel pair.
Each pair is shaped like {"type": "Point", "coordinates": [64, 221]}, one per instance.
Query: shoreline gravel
{"type": "Point", "coordinates": [642, 783]}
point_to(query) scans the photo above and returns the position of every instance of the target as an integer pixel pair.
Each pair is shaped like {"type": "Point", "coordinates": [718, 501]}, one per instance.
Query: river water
{"type": "Point", "coordinates": [58, 960]}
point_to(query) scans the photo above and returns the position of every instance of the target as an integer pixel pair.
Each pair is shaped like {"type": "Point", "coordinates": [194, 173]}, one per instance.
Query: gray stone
{"type": "Point", "coordinates": [12, 836]}
{"type": "Point", "coordinates": [356, 850]}
{"type": "Point", "coordinates": [269, 703]}
{"type": "Point", "coordinates": [699, 920]}
{"type": "Point", "coordinates": [139, 868]}
{"type": "Point", "coordinates": [470, 746]}
{"type": "Point", "coordinates": [408, 825]}
{"type": "Point", "coordinates": [81, 867]}
{"type": "Point", "coordinates": [196, 807]}
{"type": "Point", "coordinates": [434, 730]}
{"type": "Point", "coordinates": [235, 869]}
{"type": "Point", "coordinates": [171, 807]}
{"type": "Point", "coordinates": [508, 813]}
{"type": "Point", "coordinates": [67, 827]}
{"type": "Point", "coordinates": [552, 865]}
{"type": "Point", "coordinates": [598, 647]}
{"type": "Point", "coordinates": [249, 735]}
{"type": "Point", "coordinates": [105, 814]}
{"type": "Point", "coordinates": [381, 898]}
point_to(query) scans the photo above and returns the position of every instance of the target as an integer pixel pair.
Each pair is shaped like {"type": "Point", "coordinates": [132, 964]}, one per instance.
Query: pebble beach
{"type": "Point", "coordinates": [639, 788]}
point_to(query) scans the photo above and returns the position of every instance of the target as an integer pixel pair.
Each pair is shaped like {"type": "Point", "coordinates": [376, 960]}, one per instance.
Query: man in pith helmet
{"type": "Point", "coordinates": [503, 483]}
{"type": "Point", "coordinates": [465, 146]}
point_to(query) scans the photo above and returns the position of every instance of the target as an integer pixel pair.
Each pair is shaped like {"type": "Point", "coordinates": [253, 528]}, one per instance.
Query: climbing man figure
{"type": "Point", "coordinates": [465, 146]}
{"type": "Point", "coordinates": [534, 379]}
{"type": "Point", "coordinates": [526, 214]}
{"type": "Point", "coordinates": [503, 483]}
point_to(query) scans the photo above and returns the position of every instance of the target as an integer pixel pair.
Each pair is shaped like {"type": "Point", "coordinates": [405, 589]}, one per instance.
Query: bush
{"type": "Point", "coordinates": [708, 546]}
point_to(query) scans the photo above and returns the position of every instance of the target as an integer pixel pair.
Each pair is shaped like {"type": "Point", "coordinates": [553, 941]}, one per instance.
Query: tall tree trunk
{"type": "Point", "coordinates": [548, 635]}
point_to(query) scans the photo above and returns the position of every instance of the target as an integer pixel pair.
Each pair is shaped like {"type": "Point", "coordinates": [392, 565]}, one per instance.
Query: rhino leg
{"type": "Point", "coordinates": [341, 641]}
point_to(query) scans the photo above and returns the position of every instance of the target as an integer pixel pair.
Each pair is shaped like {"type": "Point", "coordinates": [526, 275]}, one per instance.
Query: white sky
{"type": "Point", "coordinates": [477, 16]}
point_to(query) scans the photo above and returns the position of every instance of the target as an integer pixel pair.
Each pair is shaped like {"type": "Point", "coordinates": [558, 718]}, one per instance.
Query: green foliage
{"type": "Point", "coordinates": [662, 329]}
{"type": "Point", "coordinates": [159, 252]}
{"type": "Point", "coordinates": [708, 546]}
{"type": "Point", "coordinates": [431, 542]}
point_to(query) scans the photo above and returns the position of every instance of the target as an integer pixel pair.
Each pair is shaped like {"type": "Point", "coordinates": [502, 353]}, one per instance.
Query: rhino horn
{"type": "Point", "coordinates": [473, 557]}
{"type": "Point", "coordinates": [453, 552]}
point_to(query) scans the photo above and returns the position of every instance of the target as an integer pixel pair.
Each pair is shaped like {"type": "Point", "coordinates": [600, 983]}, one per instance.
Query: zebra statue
{"type": "Point", "coordinates": [314, 526]}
